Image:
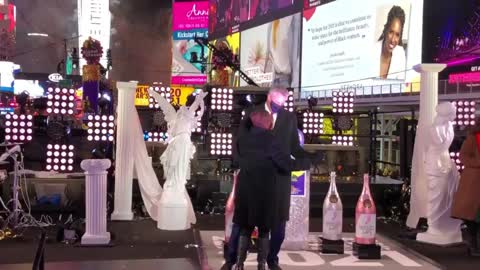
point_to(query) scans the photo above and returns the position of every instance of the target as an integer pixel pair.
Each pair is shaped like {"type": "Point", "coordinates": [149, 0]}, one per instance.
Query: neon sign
{"type": "Point", "coordinates": [469, 77]}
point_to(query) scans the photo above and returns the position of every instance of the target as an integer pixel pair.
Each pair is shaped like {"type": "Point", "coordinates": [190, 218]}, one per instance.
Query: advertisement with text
{"type": "Point", "coordinates": [190, 21]}
{"type": "Point", "coordinates": [363, 45]}
{"type": "Point", "coordinates": [270, 53]}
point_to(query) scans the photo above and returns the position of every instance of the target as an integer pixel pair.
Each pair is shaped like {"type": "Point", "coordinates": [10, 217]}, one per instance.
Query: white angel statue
{"type": "Point", "coordinates": [175, 208]}
{"type": "Point", "coordinates": [442, 177]}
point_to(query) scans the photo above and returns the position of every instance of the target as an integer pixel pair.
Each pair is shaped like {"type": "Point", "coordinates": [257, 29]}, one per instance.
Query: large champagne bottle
{"type": "Point", "coordinates": [365, 216]}
{"type": "Point", "coordinates": [332, 212]}
{"type": "Point", "coordinates": [230, 209]}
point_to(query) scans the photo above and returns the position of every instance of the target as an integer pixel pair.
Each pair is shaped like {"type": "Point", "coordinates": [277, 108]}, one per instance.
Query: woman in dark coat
{"type": "Point", "coordinates": [260, 157]}
{"type": "Point", "coordinates": [466, 203]}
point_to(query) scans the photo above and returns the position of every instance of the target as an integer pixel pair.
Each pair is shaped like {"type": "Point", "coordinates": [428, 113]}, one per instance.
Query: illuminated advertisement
{"type": "Point", "coordinates": [178, 94]}
{"type": "Point", "coordinates": [190, 21]}
{"type": "Point", "coordinates": [352, 44]}
{"type": "Point", "coordinates": [7, 70]}
{"type": "Point", "coordinates": [270, 53]}
{"type": "Point", "coordinates": [455, 39]}
{"type": "Point", "coordinates": [232, 44]}
{"type": "Point", "coordinates": [33, 88]}
{"type": "Point", "coordinates": [94, 20]}
{"type": "Point", "coordinates": [230, 16]}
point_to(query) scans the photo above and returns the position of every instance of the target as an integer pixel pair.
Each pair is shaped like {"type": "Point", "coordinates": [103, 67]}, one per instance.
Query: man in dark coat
{"type": "Point", "coordinates": [261, 160]}
{"type": "Point", "coordinates": [286, 130]}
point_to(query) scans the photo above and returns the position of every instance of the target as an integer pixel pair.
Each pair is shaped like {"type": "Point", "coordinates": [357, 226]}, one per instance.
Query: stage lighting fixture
{"type": "Point", "coordinates": [164, 92]}
{"type": "Point", "coordinates": [455, 156]}
{"type": "Point", "coordinates": [60, 157]}
{"type": "Point", "coordinates": [101, 128]}
{"type": "Point", "coordinates": [154, 136]}
{"type": "Point", "coordinates": [222, 99]}
{"type": "Point", "coordinates": [312, 123]}
{"type": "Point", "coordinates": [342, 122]}
{"type": "Point", "coordinates": [223, 120]}
{"type": "Point", "coordinates": [221, 144]}
{"type": "Point", "coordinates": [342, 140]}
{"type": "Point", "coordinates": [18, 128]}
{"type": "Point", "coordinates": [343, 102]}
{"type": "Point", "coordinates": [289, 104]}
{"type": "Point", "coordinates": [465, 113]}
{"type": "Point", "coordinates": [61, 101]}
{"type": "Point", "coordinates": [312, 102]}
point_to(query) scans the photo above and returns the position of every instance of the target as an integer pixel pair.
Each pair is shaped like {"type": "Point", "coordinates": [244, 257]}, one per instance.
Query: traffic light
{"type": "Point", "coordinates": [75, 59]}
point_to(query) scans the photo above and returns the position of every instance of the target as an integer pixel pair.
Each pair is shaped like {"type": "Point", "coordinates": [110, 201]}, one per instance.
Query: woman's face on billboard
{"type": "Point", "coordinates": [393, 35]}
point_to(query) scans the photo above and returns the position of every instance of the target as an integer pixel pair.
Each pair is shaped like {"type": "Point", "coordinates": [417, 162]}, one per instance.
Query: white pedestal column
{"type": "Point", "coordinates": [173, 210]}
{"type": "Point", "coordinates": [428, 103]}
{"type": "Point", "coordinates": [124, 152]}
{"type": "Point", "coordinates": [296, 234]}
{"type": "Point", "coordinates": [96, 201]}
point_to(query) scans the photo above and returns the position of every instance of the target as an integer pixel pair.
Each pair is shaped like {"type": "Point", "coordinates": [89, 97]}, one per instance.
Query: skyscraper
{"type": "Point", "coordinates": [7, 30]}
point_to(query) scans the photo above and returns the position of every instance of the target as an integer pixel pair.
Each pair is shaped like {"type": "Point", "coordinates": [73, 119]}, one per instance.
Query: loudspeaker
{"type": "Point", "coordinates": [407, 131]}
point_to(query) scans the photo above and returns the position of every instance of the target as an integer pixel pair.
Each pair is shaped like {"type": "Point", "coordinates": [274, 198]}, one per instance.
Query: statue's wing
{"type": "Point", "coordinates": [167, 108]}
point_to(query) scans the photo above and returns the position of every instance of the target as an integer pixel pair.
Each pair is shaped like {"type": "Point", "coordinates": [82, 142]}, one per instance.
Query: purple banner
{"type": "Point", "coordinates": [298, 184]}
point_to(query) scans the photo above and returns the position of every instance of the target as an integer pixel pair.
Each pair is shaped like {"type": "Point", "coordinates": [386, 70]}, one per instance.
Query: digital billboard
{"type": "Point", "coordinates": [270, 53]}
{"type": "Point", "coordinates": [353, 44]}
{"type": "Point", "coordinates": [232, 44]}
{"type": "Point", "coordinates": [454, 37]}
{"type": "Point", "coordinates": [190, 21]}
{"type": "Point", "coordinates": [230, 16]}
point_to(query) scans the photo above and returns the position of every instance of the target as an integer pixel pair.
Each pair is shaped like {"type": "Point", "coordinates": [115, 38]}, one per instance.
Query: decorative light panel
{"type": "Point", "coordinates": [61, 101]}
{"type": "Point", "coordinates": [101, 128]}
{"type": "Point", "coordinates": [18, 128]}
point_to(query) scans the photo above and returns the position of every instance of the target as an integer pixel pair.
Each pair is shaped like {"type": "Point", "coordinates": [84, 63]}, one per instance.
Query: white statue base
{"type": "Point", "coordinates": [297, 229]}
{"type": "Point", "coordinates": [126, 216]}
{"type": "Point", "coordinates": [173, 211]}
{"type": "Point", "coordinates": [440, 239]}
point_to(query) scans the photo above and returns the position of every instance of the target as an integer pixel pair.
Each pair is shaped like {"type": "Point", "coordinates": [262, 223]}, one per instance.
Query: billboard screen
{"type": "Point", "coordinates": [230, 16]}
{"type": "Point", "coordinates": [232, 42]}
{"type": "Point", "coordinates": [190, 20]}
{"type": "Point", "coordinates": [455, 36]}
{"type": "Point", "coordinates": [270, 53]}
{"type": "Point", "coordinates": [352, 44]}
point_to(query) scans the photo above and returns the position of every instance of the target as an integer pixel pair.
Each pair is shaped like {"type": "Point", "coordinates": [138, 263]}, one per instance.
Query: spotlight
{"type": "Point", "coordinates": [312, 102]}
{"type": "Point", "coordinates": [164, 92]}
{"type": "Point", "coordinates": [60, 157]}
{"type": "Point", "coordinates": [312, 123]}
{"type": "Point", "coordinates": [455, 156]}
{"type": "Point", "coordinates": [18, 128]}
{"type": "Point", "coordinates": [342, 102]}
{"type": "Point", "coordinates": [61, 101]}
{"type": "Point", "coordinates": [465, 113]}
{"type": "Point", "coordinates": [221, 144]}
{"type": "Point", "coordinates": [101, 128]}
{"type": "Point", "coordinates": [154, 136]}
{"type": "Point", "coordinates": [342, 140]}
{"type": "Point", "coordinates": [222, 99]}
{"type": "Point", "coordinates": [224, 120]}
